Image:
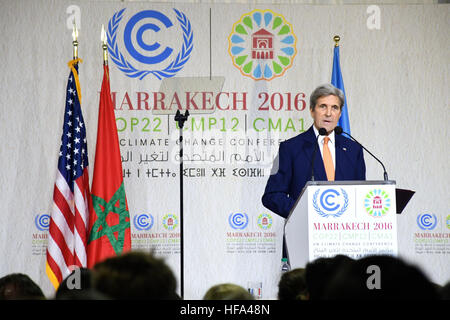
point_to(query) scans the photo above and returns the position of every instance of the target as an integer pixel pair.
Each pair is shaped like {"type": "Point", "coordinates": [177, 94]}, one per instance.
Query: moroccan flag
{"type": "Point", "coordinates": [67, 238]}
{"type": "Point", "coordinates": [338, 82]}
{"type": "Point", "coordinates": [109, 224]}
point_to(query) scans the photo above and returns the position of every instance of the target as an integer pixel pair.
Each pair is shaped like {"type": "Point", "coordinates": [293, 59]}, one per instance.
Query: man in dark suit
{"type": "Point", "coordinates": [292, 168]}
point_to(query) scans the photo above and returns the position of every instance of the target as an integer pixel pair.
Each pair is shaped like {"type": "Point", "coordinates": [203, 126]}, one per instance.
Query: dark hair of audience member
{"type": "Point", "coordinates": [227, 291]}
{"type": "Point", "coordinates": [78, 286]}
{"type": "Point", "coordinates": [444, 291]}
{"type": "Point", "coordinates": [78, 279]}
{"type": "Point", "coordinates": [18, 286]}
{"type": "Point", "coordinates": [380, 278]}
{"type": "Point", "coordinates": [292, 285]}
{"type": "Point", "coordinates": [135, 275]}
{"type": "Point", "coordinates": [320, 272]}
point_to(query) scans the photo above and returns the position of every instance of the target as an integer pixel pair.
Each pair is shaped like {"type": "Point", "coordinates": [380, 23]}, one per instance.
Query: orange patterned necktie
{"type": "Point", "coordinates": [327, 160]}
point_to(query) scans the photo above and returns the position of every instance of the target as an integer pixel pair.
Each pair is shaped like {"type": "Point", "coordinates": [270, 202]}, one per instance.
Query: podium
{"type": "Point", "coordinates": [352, 218]}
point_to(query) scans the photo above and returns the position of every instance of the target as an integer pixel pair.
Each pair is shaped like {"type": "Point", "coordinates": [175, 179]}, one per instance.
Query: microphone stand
{"type": "Point", "coordinates": [181, 119]}
{"type": "Point", "coordinates": [339, 130]}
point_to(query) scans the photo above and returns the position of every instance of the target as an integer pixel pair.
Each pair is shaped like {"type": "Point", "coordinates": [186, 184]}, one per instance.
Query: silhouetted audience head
{"type": "Point", "coordinates": [85, 294]}
{"type": "Point", "coordinates": [227, 291]}
{"type": "Point", "coordinates": [292, 285]}
{"type": "Point", "coordinates": [135, 275]}
{"type": "Point", "coordinates": [18, 286]}
{"type": "Point", "coordinates": [78, 279]}
{"type": "Point", "coordinates": [78, 286]}
{"type": "Point", "coordinates": [320, 272]}
{"type": "Point", "coordinates": [444, 291]}
{"type": "Point", "coordinates": [380, 278]}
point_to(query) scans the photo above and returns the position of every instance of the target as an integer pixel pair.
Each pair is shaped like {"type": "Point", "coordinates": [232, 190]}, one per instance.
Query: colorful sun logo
{"type": "Point", "coordinates": [377, 203]}
{"type": "Point", "coordinates": [265, 221]}
{"type": "Point", "coordinates": [170, 221]}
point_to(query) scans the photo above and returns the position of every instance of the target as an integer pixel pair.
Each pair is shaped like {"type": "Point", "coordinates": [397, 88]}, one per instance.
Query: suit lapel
{"type": "Point", "coordinates": [319, 168]}
{"type": "Point", "coordinates": [340, 150]}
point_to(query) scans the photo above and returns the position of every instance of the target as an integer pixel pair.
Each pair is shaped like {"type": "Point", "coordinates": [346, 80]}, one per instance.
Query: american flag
{"type": "Point", "coordinates": [67, 239]}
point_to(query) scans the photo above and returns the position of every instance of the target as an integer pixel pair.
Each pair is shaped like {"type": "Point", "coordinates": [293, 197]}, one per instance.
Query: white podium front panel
{"type": "Point", "coordinates": [352, 220]}
{"type": "Point", "coordinates": [349, 219]}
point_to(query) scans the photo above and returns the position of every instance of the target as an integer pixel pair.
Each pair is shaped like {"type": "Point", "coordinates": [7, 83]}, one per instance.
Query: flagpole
{"type": "Point", "coordinates": [338, 82]}
{"type": "Point", "coordinates": [75, 40]}
{"type": "Point", "coordinates": [104, 46]}
{"type": "Point", "coordinates": [336, 40]}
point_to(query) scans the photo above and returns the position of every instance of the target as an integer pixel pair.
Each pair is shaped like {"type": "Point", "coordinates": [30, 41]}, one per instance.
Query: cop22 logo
{"type": "Point", "coordinates": [162, 53]}
{"type": "Point", "coordinates": [262, 45]}
{"type": "Point", "coordinates": [377, 203]}
{"type": "Point", "coordinates": [330, 203]}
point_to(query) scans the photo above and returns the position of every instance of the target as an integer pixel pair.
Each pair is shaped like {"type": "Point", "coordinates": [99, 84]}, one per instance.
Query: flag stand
{"type": "Point", "coordinates": [181, 119]}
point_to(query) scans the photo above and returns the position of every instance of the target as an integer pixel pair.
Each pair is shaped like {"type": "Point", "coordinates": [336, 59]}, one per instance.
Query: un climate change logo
{"type": "Point", "coordinates": [42, 222]}
{"type": "Point", "coordinates": [262, 45]}
{"type": "Point", "coordinates": [427, 221]}
{"type": "Point", "coordinates": [138, 28]}
{"type": "Point", "coordinates": [330, 203]}
{"type": "Point", "coordinates": [238, 220]}
{"type": "Point", "coordinates": [143, 221]}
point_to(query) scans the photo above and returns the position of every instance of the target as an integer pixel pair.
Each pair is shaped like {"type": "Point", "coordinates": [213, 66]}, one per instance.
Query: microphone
{"type": "Point", "coordinates": [322, 132]}
{"type": "Point", "coordinates": [339, 130]}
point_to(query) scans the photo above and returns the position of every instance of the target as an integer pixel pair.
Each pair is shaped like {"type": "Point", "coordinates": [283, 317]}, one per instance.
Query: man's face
{"type": "Point", "coordinates": [326, 113]}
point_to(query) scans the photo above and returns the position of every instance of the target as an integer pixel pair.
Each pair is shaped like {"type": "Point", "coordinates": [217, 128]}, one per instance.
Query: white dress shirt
{"type": "Point", "coordinates": [331, 144]}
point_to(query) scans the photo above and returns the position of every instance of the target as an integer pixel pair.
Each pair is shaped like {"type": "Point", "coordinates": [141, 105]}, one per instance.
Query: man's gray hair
{"type": "Point", "coordinates": [325, 90]}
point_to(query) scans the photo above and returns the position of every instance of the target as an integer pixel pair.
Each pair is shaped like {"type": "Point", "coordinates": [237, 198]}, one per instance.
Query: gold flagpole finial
{"type": "Point", "coordinates": [75, 40]}
{"type": "Point", "coordinates": [104, 45]}
{"type": "Point", "coordinates": [336, 41]}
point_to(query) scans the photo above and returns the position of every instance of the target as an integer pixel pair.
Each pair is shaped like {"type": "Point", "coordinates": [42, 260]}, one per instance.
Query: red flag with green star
{"type": "Point", "coordinates": [109, 223]}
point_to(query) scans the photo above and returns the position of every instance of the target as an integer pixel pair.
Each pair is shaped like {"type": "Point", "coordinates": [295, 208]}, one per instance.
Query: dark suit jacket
{"type": "Point", "coordinates": [292, 169]}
